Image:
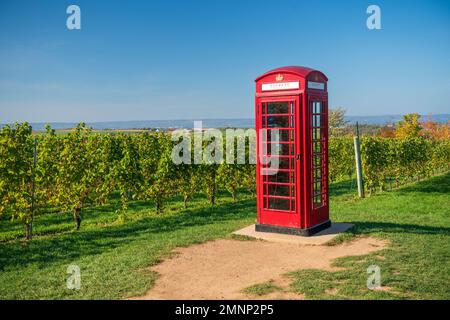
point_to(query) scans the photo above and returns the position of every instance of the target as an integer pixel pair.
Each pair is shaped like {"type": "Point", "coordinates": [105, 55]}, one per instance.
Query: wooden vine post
{"type": "Point", "coordinates": [359, 174]}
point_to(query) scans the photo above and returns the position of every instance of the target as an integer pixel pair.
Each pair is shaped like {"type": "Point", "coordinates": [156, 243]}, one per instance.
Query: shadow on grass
{"type": "Point", "coordinates": [341, 188]}
{"type": "Point", "coordinates": [439, 184]}
{"type": "Point", "coordinates": [387, 227]}
{"type": "Point", "coordinates": [92, 242]}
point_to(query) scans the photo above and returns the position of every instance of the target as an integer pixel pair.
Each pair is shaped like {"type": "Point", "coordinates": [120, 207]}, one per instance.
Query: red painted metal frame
{"type": "Point", "coordinates": [305, 214]}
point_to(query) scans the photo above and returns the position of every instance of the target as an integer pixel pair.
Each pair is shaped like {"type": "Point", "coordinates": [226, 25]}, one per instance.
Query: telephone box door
{"type": "Point", "coordinates": [318, 110]}
{"type": "Point", "coordinates": [278, 169]}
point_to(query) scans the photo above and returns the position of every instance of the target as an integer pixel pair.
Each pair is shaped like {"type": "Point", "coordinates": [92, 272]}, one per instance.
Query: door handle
{"type": "Point", "coordinates": [297, 157]}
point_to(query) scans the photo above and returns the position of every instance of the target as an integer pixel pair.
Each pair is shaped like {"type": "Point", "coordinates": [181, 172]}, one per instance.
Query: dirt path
{"type": "Point", "coordinates": [221, 269]}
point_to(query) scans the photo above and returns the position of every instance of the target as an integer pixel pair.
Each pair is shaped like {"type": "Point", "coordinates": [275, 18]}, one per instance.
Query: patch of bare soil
{"type": "Point", "coordinates": [221, 269]}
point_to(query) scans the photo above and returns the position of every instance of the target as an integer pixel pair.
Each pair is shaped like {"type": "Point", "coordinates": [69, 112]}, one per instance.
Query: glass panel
{"type": "Point", "coordinates": [277, 107]}
{"type": "Point", "coordinates": [316, 134]}
{"type": "Point", "coordinates": [277, 190]}
{"type": "Point", "coordinates": [278, 122]}
{"type": "Point", "coordinates": [278, 148]}
{"type": "Point", "coordinates": [279, 204]}
{"type": "Point", "coordinates": [283, 163]}
{"type": "Point", "coordinates": [316, 120]}
{"type": "Point", "coordinates": [280, 176]}
{"type": "Point", "coordinates": [283, 135]}
{"type": "Point", "coordinates": [318, 200]}
{"type": "Point", "coordinates": [317, 107]}
{"type": "Point", "coordinates": [317, 173]}
{"type": "Point", "coordinates": [317, 161]}
{"type": "Point", "coordinates": [317, 149]}
{"type": "Point", "coordinates": [318, 187]}
{"type": "Point", "coordinates": [279, 143]}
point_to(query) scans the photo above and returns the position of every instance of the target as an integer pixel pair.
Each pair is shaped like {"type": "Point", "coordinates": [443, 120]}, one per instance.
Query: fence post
{"type": "Point", "coordinates": [359, 174]}
{"type": "Point", "coordinates": [29, 233]}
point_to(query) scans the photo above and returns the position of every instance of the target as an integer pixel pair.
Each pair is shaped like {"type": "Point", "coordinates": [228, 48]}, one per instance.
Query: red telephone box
{"type": "Point", "coordinates": [291, 108]}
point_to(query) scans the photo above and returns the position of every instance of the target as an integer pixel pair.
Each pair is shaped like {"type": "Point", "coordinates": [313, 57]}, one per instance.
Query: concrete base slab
{"type": "Point", "coordinates": [319, 238]}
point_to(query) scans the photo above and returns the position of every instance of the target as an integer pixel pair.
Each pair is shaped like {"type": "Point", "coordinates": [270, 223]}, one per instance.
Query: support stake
{"type": "Point", "coordinates": [359, 174]}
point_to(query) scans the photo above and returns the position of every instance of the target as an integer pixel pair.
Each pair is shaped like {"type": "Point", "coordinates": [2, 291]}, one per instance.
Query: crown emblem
{"type": "Point", "coordinates": [279, 77]}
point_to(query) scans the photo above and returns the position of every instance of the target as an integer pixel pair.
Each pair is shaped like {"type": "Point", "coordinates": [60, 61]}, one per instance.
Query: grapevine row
{"type": "Point", "coordinates": [84, 168]}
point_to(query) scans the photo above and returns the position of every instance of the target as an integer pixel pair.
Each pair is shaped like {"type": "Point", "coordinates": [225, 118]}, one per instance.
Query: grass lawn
{"type": "Point", "coordinates": [113, 257]}
{"type": "Point", "coordinates": [416, 265]}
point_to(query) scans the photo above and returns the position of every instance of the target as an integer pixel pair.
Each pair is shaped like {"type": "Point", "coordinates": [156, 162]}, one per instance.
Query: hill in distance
{"type": "Point", "coordinates": [217, 123]}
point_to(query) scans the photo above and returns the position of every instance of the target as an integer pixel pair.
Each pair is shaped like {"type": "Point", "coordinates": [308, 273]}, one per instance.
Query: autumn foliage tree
{"type": "Point", "coordinates": [435, 130]}
{"type": "Point", "coordinates": [409, 127]}
{"type": "Point", "coordinates": [336, 120]}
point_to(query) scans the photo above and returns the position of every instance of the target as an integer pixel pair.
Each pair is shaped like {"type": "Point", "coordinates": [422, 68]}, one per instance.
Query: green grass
{"type": "Point", "coordinates": [114, 258]}
{"type": "Point", "coordinates": [415, 220]}
{"type": "Point", "coordinates": [262, 289]}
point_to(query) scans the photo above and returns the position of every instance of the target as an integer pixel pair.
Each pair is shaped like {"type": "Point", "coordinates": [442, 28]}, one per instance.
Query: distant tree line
{"type": "Point", "coordinates": [410, 126]}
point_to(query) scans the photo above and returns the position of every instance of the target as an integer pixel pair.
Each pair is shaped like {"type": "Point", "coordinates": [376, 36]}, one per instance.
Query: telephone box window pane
{"type": "Point", "coordinates": [263, 108]}
{"type": "Point", "coordinates": [317, 147]}
{"type": "Point", "coordinates": [283, 163]}
{"type": "Point", "coordinates": [316, 120]}
{"type": "Point", "coordinates": [317, 201]}
{"type": "Point", "coordinates": [316, 134]}
{"type": "Point", "coordinates": [278, 148]}
{"type": "Point", "coordinates": [279, 204]}
{"type": "Point", "coordinates": [278, 122]}
{"type": "Point", "coordinates": [318, 187]}
{"type": "Point", "coordinates": [277, 107]}
{"type": "Point", "coordinates": [317, 161]}
{"type": "Point", "coordinates": [317, 153]}
{"type": "Point", "coordinates": [281, 135]}
{"type": "Point", "coordinates": [317, 174]}
{"type": "Point", "coordinates": [317, 106]}
{"type": "Point", "coordinates": [278, 190]}
{"type": "Point", "coordinates": [280, 176]}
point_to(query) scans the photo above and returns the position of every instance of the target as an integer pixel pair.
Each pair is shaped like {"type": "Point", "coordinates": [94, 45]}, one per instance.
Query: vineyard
{"type": "Point", "coordinates": [49, 173]}
{"type": "Point", "coordinates": [389, 162]}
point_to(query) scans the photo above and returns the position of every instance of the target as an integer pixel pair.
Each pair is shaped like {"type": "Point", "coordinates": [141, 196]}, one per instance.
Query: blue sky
{"type": "Point", "coordinates": [136, 60]}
